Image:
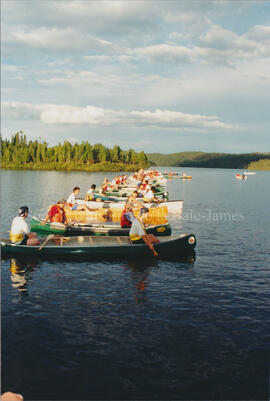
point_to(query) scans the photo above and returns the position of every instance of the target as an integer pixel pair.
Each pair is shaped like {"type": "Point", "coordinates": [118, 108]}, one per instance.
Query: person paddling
{"type": "Point", "coordinates": [56, 213]}
{"type": "Point", "coordinates": [137, 233]}
{"type": "Point", "coordinates": [20, 233]}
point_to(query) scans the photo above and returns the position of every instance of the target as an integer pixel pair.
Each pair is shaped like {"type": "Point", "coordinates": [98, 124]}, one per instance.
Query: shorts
{"type": "Point", "coordinates": [22, 242]}
{"type": "Point", "coordinates": [74, 207]}
{"type": "Point", "coordinates": [138, 241]}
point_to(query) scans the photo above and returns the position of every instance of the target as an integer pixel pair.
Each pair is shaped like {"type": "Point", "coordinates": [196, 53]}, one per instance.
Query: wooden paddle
{"type": "Point", "coordinates": [50, 236]}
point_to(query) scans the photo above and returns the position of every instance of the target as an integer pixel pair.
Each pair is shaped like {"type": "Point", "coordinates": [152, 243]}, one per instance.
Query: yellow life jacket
{"type": "Point", "coordinates": [15, 237]}
{"type": "Point", "coordinates": [135, 237]}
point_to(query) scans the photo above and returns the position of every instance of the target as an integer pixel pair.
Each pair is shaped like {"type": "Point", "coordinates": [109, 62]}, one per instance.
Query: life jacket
{"type": "Point", "coordinates": [124, 222]}
{"type": "Point", "coordinates": [15, 237]}
{"type": "Point", "coordinates": [59, 216]}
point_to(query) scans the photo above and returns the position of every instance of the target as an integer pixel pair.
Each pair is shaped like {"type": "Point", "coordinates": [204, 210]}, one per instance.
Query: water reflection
{"type": "Point", "coordinates": [20, 270]}
{"type": "Point", "coordinates": [140, 271]}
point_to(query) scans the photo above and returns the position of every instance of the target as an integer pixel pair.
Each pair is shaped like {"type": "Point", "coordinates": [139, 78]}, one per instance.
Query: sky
{"type": "Point", "coordinates": [159, 76]}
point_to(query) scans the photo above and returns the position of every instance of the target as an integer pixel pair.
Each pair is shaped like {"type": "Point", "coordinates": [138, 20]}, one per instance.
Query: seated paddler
{"type": "Point", "coordinates": [56, 213]}
{"type": "Point", "coordinates": [72, 201]}
{"type": "Point", "coordinates": [137, 233]}
{"type": "Point", "coordinates": [20, 233]}
{"type": "Point", "coordinates": [90, 195]}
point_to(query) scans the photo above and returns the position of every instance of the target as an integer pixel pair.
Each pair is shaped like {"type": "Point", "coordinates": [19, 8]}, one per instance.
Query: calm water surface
{"type": "Point", "coordinates": [143, 330]}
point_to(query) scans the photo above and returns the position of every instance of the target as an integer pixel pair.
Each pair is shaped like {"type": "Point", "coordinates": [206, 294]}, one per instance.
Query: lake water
{"type": "Point", "coordinates": [137, 330]}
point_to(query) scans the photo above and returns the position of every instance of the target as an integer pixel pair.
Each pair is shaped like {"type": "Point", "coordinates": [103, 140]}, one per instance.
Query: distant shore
{"type": "Point", "coordinates": [247, 161]}
{"type": "Point", "coordinates": [106, 167]}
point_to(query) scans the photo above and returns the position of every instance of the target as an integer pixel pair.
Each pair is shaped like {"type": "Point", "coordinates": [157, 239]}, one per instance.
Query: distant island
{"type": "Point", "coordinates": [19, 153]}
{"type": "Point", "coordinates": [251, 161]}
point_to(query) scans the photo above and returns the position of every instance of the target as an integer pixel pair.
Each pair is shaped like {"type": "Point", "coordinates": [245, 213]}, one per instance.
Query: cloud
{"type": "Point", "coordinates": [56, 40]}
{"type": "Point", "coordinates": [217, 46]}
{"type": "Point", "coordinates": [102, 17]}
{"type": "Point", "coordinates": [97, 116]}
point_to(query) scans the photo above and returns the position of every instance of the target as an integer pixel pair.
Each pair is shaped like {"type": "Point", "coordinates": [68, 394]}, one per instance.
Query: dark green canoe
{"type": "Point", "coordinates": [102, 247]}
{"type": "Point", "coordinates": [92, 229]}
{"type": "Point", "coordinates": [124, 194]}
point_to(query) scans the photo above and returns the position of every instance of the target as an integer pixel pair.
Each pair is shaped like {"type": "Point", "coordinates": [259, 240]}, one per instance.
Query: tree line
{"type": "Point", "coordinates": [18, 152]}
{"type": "Point", "coordinates": [215, 160]}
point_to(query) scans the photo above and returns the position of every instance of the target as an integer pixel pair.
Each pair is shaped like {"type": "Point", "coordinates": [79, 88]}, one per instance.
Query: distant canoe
{"type": "Point", "coordinates": [240, 176]}
{"type": "Point", "coordinates": [101, 247]}
{"type": "Point", "coordinates": [181, 177]}
{"type": "Point", "coordinates": [92, 229]}
{"type": "Point", "coordinates": [249, 173]}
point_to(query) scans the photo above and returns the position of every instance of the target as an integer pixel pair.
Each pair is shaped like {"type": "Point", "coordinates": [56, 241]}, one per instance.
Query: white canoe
{"type": "Point", "coordinates": [174, 206]}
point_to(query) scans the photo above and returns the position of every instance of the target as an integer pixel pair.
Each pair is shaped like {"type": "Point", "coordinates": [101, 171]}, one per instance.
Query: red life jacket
{"type": "Point", "coordinates": [124, 222]}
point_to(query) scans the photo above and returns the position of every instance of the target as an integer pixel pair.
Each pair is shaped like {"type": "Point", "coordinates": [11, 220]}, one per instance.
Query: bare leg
{"type": "Point", "coordinates": [153, 239]}
{"type": "Point", "coordinates": [33, 241]}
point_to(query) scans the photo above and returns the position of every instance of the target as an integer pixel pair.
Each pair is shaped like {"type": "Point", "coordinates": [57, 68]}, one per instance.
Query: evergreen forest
{"type": "Point", "coordinates": [255, 161]}
{"type": "Point", "coordinates": [19, 153]}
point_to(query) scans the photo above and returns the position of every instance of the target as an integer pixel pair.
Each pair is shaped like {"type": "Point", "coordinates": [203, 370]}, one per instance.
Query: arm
{"type": "Point", "coordinates": [46, 219]}
{"type": "Point", "coordinates": [48, 216]}
{"type": "Point", "coordinates": [149, 244]}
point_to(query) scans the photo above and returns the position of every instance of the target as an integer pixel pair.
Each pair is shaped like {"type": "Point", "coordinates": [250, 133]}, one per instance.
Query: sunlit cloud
{"type": "Point", "coordinates": [98, 116]}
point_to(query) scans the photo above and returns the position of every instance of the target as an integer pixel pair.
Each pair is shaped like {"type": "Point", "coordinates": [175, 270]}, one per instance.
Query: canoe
{"type": "Point", "coordinates": [92, 229]}
{"type": "Point", "coordinates": [114, 198]}
{"type": "Point", "coordinates": [113, 214]}
{"type": "Point", "coordinates": [119, 203]}
{"type": "Point", "coordinates": [102, 247]}
{"type": "Point", "coordinates": [125, 193]}
{"type": "Point", "coordinates": [172, 176]}
{"type": "Point", "coordinates": [183, 177]}
{"type": "Point", "coordinates": [241, 176]}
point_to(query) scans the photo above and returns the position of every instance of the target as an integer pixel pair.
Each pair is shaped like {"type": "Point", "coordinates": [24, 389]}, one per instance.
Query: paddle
{"type": "Point", "coordinates": [50, 236]}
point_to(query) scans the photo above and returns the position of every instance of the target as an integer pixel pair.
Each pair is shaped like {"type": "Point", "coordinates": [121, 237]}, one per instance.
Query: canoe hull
{"type": "Point", "coordinates": [114, 247]}
{"type": "Point", "coordinates": [119, 203]}
{"type": "Point", "coordinates": [157, 215]}
{"type": "Point", "coordinates": [94, 229]}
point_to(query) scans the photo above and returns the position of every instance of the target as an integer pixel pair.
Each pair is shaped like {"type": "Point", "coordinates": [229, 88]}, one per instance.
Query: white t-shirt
{"type": "Point", "coordinates": [72, 199]}
{"type": "Point", "coordinates": [149, 194]}
{"type": "Point", "coordinates": [19, 226]}
{"type": "Point", "coordinates": [136, 228]}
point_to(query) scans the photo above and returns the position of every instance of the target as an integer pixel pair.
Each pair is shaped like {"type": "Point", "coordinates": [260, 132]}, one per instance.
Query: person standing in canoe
{"type": "Point", "coordinates": [137, 233]}
{"type": "Point", "coordinates": [56, 213]}
{"type": "Point", "coordinates": [72, 201]}
{"type": "Point", "coordinates": [20, 233]}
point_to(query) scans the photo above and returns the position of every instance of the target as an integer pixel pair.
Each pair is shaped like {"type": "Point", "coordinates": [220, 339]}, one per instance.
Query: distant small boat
{"type": "Point", "coordinates": [240, 176]}
{"type": "Point", "coordinates": [183, 177]}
